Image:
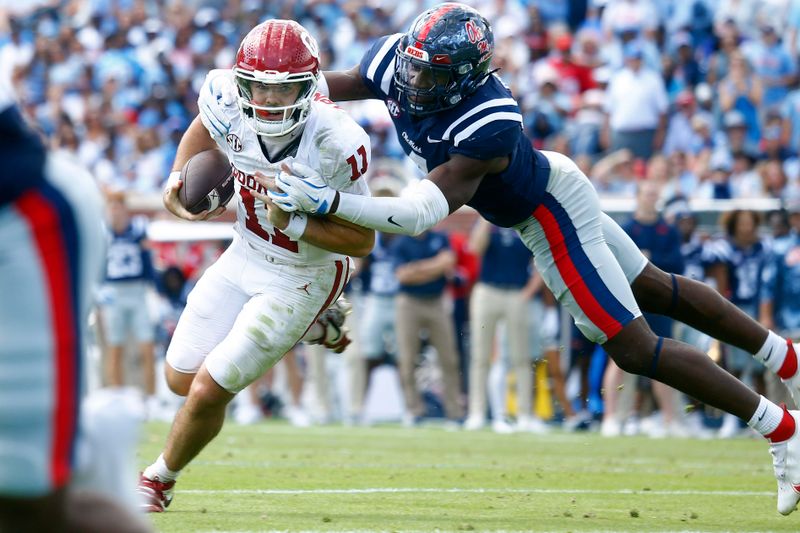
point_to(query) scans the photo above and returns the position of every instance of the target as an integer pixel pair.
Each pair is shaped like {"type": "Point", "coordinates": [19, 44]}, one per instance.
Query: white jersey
{"type": "Point", "coordinates": [331, 143]}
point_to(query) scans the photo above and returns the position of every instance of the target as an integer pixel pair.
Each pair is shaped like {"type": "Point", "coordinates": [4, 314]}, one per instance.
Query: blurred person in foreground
{"type": "Point", "coordinates": [461, 126]}
{"type": "Point", "coordinates": [279, 282]}
{"type": "Point", "coordinates": [52, 245]}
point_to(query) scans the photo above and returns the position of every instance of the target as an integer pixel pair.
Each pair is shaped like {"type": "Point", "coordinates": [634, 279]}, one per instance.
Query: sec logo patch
{"type": "Point", "coordinates": [234, 142]}
{"type": "Point", "coordinates": [393, 107]}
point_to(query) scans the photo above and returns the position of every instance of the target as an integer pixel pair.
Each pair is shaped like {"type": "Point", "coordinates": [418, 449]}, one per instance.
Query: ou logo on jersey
{"type": "Point", "coordinates": [234, 142]}
{"type": "Point", "coordinates": [393, 107]}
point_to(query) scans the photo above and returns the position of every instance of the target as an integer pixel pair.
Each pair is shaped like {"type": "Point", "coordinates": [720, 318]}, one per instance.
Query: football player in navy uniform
{"type": "Point", "coordinates": [51, 253]}
{"type": "Point", "coordinates": [462, 126]}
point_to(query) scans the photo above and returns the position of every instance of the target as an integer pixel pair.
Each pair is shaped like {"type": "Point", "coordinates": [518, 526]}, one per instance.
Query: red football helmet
{"type": "Point", "coordinates": [277, 52]}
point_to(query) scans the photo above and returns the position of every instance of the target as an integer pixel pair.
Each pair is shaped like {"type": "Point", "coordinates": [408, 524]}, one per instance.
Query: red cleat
{"type": "Point", "coordinates": [155, 495]}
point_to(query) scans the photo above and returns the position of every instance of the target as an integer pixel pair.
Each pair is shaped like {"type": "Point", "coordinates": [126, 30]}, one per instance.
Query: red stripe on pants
{"type": "Point", "coordinates": [44, 223]}
{"type": "Point", "coordinates": [572, 278]}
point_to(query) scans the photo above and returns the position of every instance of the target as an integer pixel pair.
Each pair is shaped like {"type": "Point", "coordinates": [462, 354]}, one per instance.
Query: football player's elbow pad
{"type": "Point", "coordinates": [420, 206]}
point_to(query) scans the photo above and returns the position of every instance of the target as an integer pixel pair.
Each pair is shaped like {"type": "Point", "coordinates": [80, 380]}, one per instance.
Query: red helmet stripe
{"type": "Point", "coordinates": [423, 33]}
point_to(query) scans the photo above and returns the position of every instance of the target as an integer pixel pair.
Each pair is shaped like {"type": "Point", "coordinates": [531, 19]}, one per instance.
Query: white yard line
{"type": "Point", "coordinates": [484, 491]}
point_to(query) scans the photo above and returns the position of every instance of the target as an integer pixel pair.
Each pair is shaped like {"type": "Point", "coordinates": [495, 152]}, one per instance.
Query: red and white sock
{"type": "Point", "coordinates": [772, 421]}
{"type": "Point", "coordinates": [778, 355]}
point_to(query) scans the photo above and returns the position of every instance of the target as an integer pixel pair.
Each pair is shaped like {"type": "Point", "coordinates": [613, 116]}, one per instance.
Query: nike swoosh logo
{"type": "Point", "coordinates": [762, 415]}
{"type": "Point", "coordinates": [432, 141]}
{"type": "Point", "coordinates": [393, 222]}
{"type": "Point", "coordinates": [769, 354]}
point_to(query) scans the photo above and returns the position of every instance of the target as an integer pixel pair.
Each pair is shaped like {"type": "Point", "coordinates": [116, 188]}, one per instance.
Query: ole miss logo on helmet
{"type": "Point", "coordinates": [476, 36]}
{"type": "Point", "coordinates": [474, 33]}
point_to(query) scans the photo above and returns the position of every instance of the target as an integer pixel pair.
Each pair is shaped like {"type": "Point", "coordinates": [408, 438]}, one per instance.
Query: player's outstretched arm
{"type": "Point", "coordinates": [195, 139]}
{"type": "Point", "coordinates": [420, 207]}
{"type": "Point", "coordinates": [346, 85]}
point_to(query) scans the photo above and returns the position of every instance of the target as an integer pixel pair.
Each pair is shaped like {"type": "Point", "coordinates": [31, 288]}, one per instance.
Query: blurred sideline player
{"type": "Point", "coordinates": [461, 126]}
{"type": "Point", "coordinates": [281, 273]}
{"type": "Point", "coordinates": [51, 255]}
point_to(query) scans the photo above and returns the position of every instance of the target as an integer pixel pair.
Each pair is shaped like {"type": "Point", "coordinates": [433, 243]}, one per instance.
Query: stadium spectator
{"type": "Point", "coordinates": [699, 265]}
{"type": "Point", "coordinates": [680, 134]}
{"type": "Point", "coordinates": [377, 330]}
{"type": "Point", "coordinates": [719, 61]}
{"type": "Point", "coordinates": [741, 90]}
{"type": "Point", "coordinates": [780, 296]}
{"type": "Point", "coordinates": [585, 130]}
{"type": "Point", "coordinates": [499, 297]}
{"type": "Point", "coordinates": [773, 65]}
{"type": "Point", "coordinates": [683, 72]}
{"type": "Point", "coordinates": [124, 307]}
{"type": "Point", "coordinates": [745, 257]}
{"type": "Point", "coordinates": [773, 178]}
{"type": "Point", "coordinates": [660, 243]}
{"type": "Point", "coordinates": [636, 107]}
{"type": "Point", "coordinates": [422, 265]}
{"type": "Point", "coordinates": [461, 283]}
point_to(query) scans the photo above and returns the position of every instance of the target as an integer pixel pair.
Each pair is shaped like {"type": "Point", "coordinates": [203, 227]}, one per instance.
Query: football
{"type": "Point", "coordinates": [207, 182]}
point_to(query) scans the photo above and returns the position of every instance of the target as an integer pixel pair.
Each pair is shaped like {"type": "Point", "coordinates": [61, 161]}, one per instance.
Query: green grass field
{"type": "Point", "coordinates": [273, 477]}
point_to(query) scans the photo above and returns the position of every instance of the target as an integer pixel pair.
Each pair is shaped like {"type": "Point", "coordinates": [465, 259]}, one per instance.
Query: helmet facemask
{"type": "Point", "coordinates": [426, 87]}
{"type": "Point", "coordinates": [288, 117]}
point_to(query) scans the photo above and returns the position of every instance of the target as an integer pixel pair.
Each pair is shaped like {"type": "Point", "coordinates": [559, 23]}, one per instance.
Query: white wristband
{"type": "Point", "coordinates": [297, 226]}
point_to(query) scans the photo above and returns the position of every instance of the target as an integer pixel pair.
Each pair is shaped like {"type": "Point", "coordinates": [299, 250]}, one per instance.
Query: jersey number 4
{"type": "Point", "coordinates": [358, 172]}
{"type": "Point", "coordinates": [279, 239]}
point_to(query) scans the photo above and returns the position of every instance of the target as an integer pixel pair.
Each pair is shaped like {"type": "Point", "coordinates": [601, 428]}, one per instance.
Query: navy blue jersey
{"type": "Point", "coordinates": [383, 281]}
{"type": "Point", "coordinates": [745, 270]}
{"type": "Point", "coordinates": [127, 259]}
{"type": "Point", "coordinates": [659, 241]}
{"type": "Point", "coordinates": [507, 261]}
{"type": "Point", "coordinates": [486, 125]}
{"type": "Point", "coordinates": [22, 154]}
{"type": "Point", "coordinates": [407, 249]}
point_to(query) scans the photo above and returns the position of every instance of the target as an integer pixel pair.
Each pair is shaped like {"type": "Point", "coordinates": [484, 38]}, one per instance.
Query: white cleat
{"type": "Point", "coordinates": [786, 462]}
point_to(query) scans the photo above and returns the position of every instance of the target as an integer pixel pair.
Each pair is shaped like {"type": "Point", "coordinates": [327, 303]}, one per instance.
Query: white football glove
{"type": "Point", "coordinates": [305, 190]}
{"type": "Point", "coordinates": [216, 95]}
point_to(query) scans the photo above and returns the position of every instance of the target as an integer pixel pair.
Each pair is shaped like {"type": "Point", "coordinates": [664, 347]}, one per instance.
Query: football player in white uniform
{"type": "Point", "coordinates": [282, 272]}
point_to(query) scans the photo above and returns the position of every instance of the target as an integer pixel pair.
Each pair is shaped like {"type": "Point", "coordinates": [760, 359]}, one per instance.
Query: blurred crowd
{"type": "Point", "coordinates": [665, 101]}
{"type": "Point", "coordinates": [700, 95]}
